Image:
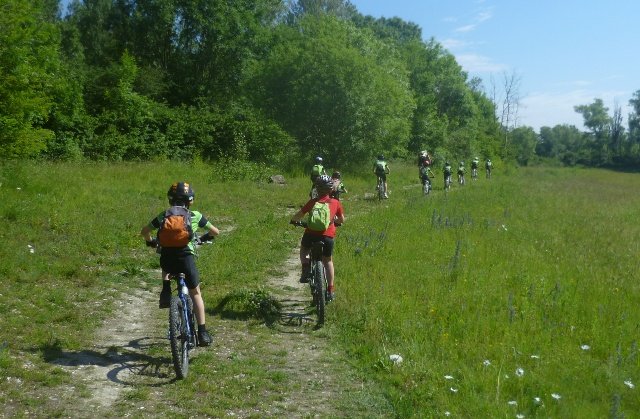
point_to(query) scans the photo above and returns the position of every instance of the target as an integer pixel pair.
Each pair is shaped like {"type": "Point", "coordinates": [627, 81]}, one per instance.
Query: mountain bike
{"type": "Point", "coordinates": [447, 182]}
{"type": "Point", "coordinates": [474, 173]}
{"type": "Point", "coordinates": [382, 191]}
{"type": "Point", "coordinates": [426, 186]}
{"type": "Point", "coordinates": [317, 277]}
{"type": "Point", "coordinates": [488, 173]}
{"type": "Point", "coordinates": [461, 178]}
{"type": "Point", "coordinates": [182, 327]}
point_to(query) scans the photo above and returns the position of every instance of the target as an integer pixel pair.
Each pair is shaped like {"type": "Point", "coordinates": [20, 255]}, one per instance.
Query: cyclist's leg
{"type": "Point", "coordinates": [305, 262]}
{"type": "Point", "coordinates": [327, 261]}
{"type": "Point", "coordinates": [198, 305]}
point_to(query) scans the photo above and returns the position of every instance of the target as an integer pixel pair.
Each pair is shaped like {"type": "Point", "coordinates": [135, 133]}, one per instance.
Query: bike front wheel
{"type": "Point", "coordinates": [179, 338]}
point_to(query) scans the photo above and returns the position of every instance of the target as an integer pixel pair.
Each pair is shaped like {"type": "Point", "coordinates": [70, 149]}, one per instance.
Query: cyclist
{"type": "Point", "coordinates": [338, 186]}
{"type": "Point", "coordinates": [424, 172]}
{"type": "Point", "coordinates": [461, 172]}
{"type": "Point", "coordinates": [474, 168]}
{"type": "Point", "coordinates": [174, 260]}
{"type": "Point", "coordinates": [446, 171]}
{"type": "Point", "coordinates": [316, 170]}
{"type": "Point", "coordinates": [324, 186]}
{"type": "Point", "coordinates": [487, 166]}
{"type": "Point", "coordinates": [381, 170]}
{"type": "Point", "coordinates": [422, 157]}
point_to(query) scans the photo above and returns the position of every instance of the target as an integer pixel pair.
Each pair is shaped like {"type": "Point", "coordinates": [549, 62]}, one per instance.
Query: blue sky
{"type": "Point", "coordinates": [565, 52]}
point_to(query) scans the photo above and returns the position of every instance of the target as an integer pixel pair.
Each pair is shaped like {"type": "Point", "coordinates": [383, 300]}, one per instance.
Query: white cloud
{"type": "Point", "coordinates": [482, 16]}
{"type": "Point", "coordinates": [466, 28]}
{"type": "Point", "coordinates": [452, 43]}
{"type": "Point", "coordinates": [549, 109]}
{"type": "Point", "coordinates": [475, 63]}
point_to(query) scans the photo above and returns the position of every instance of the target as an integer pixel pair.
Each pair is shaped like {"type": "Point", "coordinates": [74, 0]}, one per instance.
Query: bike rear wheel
{"type": "Point", "coordinates": [179, 338]}
{"type": "Point", "coordinates": [319, 291]}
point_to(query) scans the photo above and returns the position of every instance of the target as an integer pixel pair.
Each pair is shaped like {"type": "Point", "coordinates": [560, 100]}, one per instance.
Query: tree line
{"type": "Point", "coordinates": [268, 81]}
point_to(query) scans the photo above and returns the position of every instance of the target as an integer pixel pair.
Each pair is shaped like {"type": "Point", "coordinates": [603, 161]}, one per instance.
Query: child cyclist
{"type": "Point", "coordinates": [181, 258]}
{"type": "Point", "coordinates": [381, 170]}
{"type": "Point", "coordinates": [338, 186]}
{"type": "Point", "coordinates": [324, 185]}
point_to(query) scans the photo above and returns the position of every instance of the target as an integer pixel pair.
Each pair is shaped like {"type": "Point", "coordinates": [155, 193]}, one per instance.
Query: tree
{"type": "Point", "coordinates": [336, 89]}
{"type": "Point", "coordinates": [29, 69]}
{"type": "Point", "coordinates": [597, 119]}
{"type": "Point", "coordinates": [524, 141]}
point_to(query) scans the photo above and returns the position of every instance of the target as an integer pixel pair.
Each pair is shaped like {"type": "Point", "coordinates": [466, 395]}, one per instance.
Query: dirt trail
{"type": "Point", "coordinates": [131, 350]}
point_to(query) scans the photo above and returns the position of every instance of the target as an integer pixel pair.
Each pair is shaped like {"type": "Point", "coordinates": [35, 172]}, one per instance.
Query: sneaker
{"type": "Point", "coordinates": [304, 279]}
{"type": "Point", "coordinates": [204, 338]}
{"type": "Point", "coordinates": [330, 296]}
{"type": "Point", "coordinates": [165, 299]}
{"type": "Point", "coordinates": [306, 271]}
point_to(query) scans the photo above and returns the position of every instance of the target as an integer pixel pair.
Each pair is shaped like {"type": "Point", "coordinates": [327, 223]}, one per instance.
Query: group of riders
{"type": "Point", "coordinates": [326, 190]}
{"type": "Point", "coordinates": [424, 169]}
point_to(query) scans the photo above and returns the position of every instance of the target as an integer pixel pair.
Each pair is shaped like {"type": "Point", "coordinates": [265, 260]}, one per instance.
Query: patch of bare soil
{"type": "Point", "coordinates": [119, 356]}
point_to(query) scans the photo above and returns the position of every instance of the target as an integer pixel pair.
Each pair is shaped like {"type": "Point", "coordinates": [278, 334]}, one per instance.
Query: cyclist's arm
{"type": "Point", "coordinates": [339, 218]}
{"type": "Point", "coordinates": [146, 233]}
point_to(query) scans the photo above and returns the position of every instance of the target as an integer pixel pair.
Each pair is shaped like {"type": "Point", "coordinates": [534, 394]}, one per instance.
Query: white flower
{"type": "Point", "coordinates": [556, 396]}
{"type": "Point", "coordinates": [447, 413]}
{"type": "Point", "coordinates": [504, 227]}
{"type": "Point", "coordinates": [396, 359]}
{"type": "Point", "coordinates": [512, 403]}
{"type": "Point", "coordinates": [537, 400]}
{"type": "Point", "coordinates": [19, 188]}
{"type": "Point", "coordinates": [519, 372]}
{"type": "Point", "coordinates": [585, 347]}
{"type": "Point", "coordinates": [448, 377]}
{"type": "Point", "coordinates": [453, 390]}
{"type": "Point", "coordinates": [629, 384]}
{"type": "Point", "coordinates": [520, 416]}
{"type": "Point", "coordinates": [535, 356]}
{"type": "Point", "coordinates": [486, 362]}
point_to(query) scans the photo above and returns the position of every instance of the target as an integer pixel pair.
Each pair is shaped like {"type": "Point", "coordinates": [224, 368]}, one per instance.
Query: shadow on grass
{"type": "Point", "coordinates": [122, 363]}
{"type": "Point", "coordinates": [262, 306]}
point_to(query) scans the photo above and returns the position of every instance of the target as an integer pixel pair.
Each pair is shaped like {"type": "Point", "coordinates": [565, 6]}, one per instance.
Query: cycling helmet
{"type": "Point", "coordinates": [181, 192]}
{"type": "Point", "coordinates": [324, 184]}
{"type": "Point", "coordinates": [461, 163]}
{"type": "Point", "coordinates": [381, 157]}
{"type": "Point", "coordinates": [336, 175]}
{"type": "Point", "coordinates": [318, 159]}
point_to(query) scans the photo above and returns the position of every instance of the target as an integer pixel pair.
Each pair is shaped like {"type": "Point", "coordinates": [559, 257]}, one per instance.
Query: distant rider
{"type": "Point", "coordinates": [316, 170]}
{"type": "Point", "coordinates": [338, 186]}
{"type": "Point", "coordinates": [381, 170]}
{"type": "Point", "coordinates": [461, 172]}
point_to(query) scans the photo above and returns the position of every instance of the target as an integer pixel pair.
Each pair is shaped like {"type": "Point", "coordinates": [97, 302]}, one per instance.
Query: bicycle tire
{"type": "Point", "coordinates": [178, 338]}
{"type": "Point", "coordinates": [320, 289]}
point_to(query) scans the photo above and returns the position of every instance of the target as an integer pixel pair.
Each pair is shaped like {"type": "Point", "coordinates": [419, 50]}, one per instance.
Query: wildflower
{"type": "Point", "coordinates": [512, 403]}
{"type": "Point", "coordinates": [447, 413]}
{"type": "Point", "coordinates": [448, 377]}
{"type": "Point", "coordinates": [629, 384]}
{"type": "Point", "coordinates": [535, 356]}
{"type": "Point", "coordinates": [585, 347]}
{"type": "Point", "coordinates": [31, 248]}
{"type": "Point", "coordinates": [556, 396]}
{"type": "Point", "coordinates": [537, 400]}
{"type": "Point", "coordinates": [520, 416]}
{"type": "Point", "coordinates": [18, 188]}
{"type": "Point", "coordinates": [453, 390]}
{"type": "Point", "coordinates": [396, 359]}
{"type": "Point", "coordinates": [519, 372]}
{"type": "Point", "coordinates": [486, 362]}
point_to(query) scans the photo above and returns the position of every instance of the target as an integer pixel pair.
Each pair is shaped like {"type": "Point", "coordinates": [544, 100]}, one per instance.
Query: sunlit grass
{"type": "Point", "coordinates": [500, 284]}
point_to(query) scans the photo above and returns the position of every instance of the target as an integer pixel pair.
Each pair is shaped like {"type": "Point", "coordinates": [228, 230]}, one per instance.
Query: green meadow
{"type": "Point", "coordinates": [515, 296]}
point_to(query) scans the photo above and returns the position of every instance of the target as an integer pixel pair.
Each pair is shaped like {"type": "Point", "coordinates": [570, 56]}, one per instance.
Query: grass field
{"type": "Point", "coordinates": [514, 296]}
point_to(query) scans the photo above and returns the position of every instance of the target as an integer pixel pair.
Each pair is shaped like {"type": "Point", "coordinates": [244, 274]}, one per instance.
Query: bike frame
{"type": "Point", "coordinates": [380, 188]}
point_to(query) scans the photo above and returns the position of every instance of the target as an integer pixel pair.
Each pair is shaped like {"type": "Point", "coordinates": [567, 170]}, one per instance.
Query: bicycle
{"type": "Point", "coordinates": [382, 191]}
{"type": "Point", "coordinates": [317, 277]}
{"type": "Point", "coordinates": [426, 186]}
{"type": "Point", "coordinates": [474, 174]}
{"type": "Point", "coordinates": [183, 336]}
{"type": "Point", "coordinates": [460, 178]}
{"type": "Point", "coordinates": [488, 173]}
{"type": "Point", "coordinates": [447, 182]}
{"type": "Point", "coordinates": [182, 327]}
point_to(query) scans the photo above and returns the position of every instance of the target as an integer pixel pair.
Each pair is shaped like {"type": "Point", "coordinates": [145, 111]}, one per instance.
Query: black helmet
{"type": "Point", "coordinates": [381, 157]}
{"type": "Point", "coordinates": [324, 184]}
{"type": "Point", "coordinates": [318, 159]}
{"type": "Point", "coordinates": [181, 192]}
{"type": "Point", "coordinates": [336, 175]}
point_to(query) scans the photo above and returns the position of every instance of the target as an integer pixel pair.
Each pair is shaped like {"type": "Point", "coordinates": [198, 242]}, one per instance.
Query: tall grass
{"type": "Point", "coordinates": [517, 295]}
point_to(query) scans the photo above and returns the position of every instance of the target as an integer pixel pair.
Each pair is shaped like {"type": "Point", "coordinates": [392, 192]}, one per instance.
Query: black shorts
{"type": "Point", "coordinates": [181, 263]}
{"type": "Point", "coordinates": [308, 240]}
{"type": "Point", "coordinates": [382, 176]}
